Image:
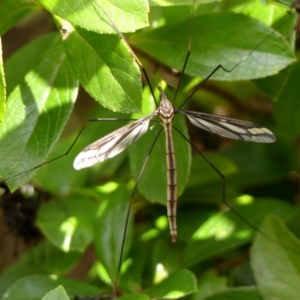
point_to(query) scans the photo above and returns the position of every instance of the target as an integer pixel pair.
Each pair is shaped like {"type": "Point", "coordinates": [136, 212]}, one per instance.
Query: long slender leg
{"type": "Point", "coordinates": [129, 208]}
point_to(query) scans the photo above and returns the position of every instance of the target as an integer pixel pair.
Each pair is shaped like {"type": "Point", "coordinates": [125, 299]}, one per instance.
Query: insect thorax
{"type": "Point", "coordinates": [165, 110]}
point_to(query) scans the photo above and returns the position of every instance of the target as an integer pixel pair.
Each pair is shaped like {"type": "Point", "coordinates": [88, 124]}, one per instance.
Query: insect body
{"type": "Point", "coordinates": [117, 141]}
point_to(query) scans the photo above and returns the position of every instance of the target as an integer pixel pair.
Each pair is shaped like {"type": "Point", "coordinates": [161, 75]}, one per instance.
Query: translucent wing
{"type": "Point", "coordinates": [230, 128]}
{"type": "Point", "coordinates": [111, 144]}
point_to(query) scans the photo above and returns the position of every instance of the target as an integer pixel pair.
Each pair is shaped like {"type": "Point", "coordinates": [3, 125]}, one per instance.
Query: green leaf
{"type": "Point", "coordinates": [2, 87]}
{"type": "Point", "coordinates": [43, 258]}
{"type": "Point", "coordinates": [34, 52]}
{"type": "Point", "coordinates": [68, 223]}
{"type": "Point", "coordinates": [110, 76]}
{"type": "Point", "coordinates": [225, 231]}
{"type": "Point", "coordinates": [164, 259]}
{"type": "Point", "coordinates": [178, 2]}
{"type": "Point", "coordinates": [37, 111]}
{"type": "Point", "coordinates": [203, 173]}
{"type": "Point", "coordinates": [245, 293]}
{"type": "Point", "coordinates": [210, 284]}
{"type": "Point", "coordinates": [287, 3]}
{"type": "Point", "coordinates": [12, 11]}
{"type": "Point", "coordinates": [134, 265]}
{"type": "Point", "coordinates": [273, 85]}
{"type": "Point", "coordinates": [109, 227]}
{"type": "Point", "coordinates": [226, 46]}
{"type": "Point", "coordinates": [252, 159]}
{"type": "Point", "coordinates": [51, 259]}
{"type": "Point", "coordinates": [128, 15]}
{"type": "Point", "coordinates": [36, 286]}
{"type": "Point", "coordinates": [288, 105]}
{"type": "Point", "coordinates": [137, 296]}
{"type": "Point", "coordinates": [58, 293]}
{"type": "Point", "coordinates": [177, 285]}
{"type": "Point", "coordinates": [276, 265]}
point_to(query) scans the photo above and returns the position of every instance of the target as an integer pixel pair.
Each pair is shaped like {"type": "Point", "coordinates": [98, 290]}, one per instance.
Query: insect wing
{"type": "Point", "coordinates": [230, 128]}
{"type": "Point", "coordinates": [112, 144]}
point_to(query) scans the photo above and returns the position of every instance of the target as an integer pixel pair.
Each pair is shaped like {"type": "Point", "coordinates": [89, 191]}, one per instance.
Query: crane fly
{"type": "Point", "coordinates": [117, 141]}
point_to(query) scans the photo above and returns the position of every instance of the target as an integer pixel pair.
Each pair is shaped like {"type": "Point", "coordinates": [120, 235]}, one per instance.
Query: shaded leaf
{"type": "Point", "coordinates": [287, 105]}
{"type": "Point", "coordinates": [110, 225]}
{"type": "Point", "coordinates": [276, 265]}
{"type": "Point", "coordinates": [36, 286]}
{"type": "Point", "coordinates": [12, 11]}
{"type": "Point", "coordinates": [226, 46]}
{"type": "Point", "coordinates": [69, 223]}
{"type": "Point", "coordinates": [210, 284]}
{"type": "Point", "coordinates": [138, 296]}
{"type": "Point", "coordinates": [229, 230]}
{"type": "Point", "coordinates": [44, 258]}
{"type": "Point", "coordinates": [245, 293]}
{"type": "Point", "coordinates": [178, 284]}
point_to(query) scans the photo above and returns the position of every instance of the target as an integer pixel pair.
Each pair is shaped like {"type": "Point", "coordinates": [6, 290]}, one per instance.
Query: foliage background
{"type": "Point", "coordinates": [250, 253]}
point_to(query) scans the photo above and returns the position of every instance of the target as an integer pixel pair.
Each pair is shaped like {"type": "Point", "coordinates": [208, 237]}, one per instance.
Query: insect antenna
{"type": "Point", "coordinates": [133, 192]}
